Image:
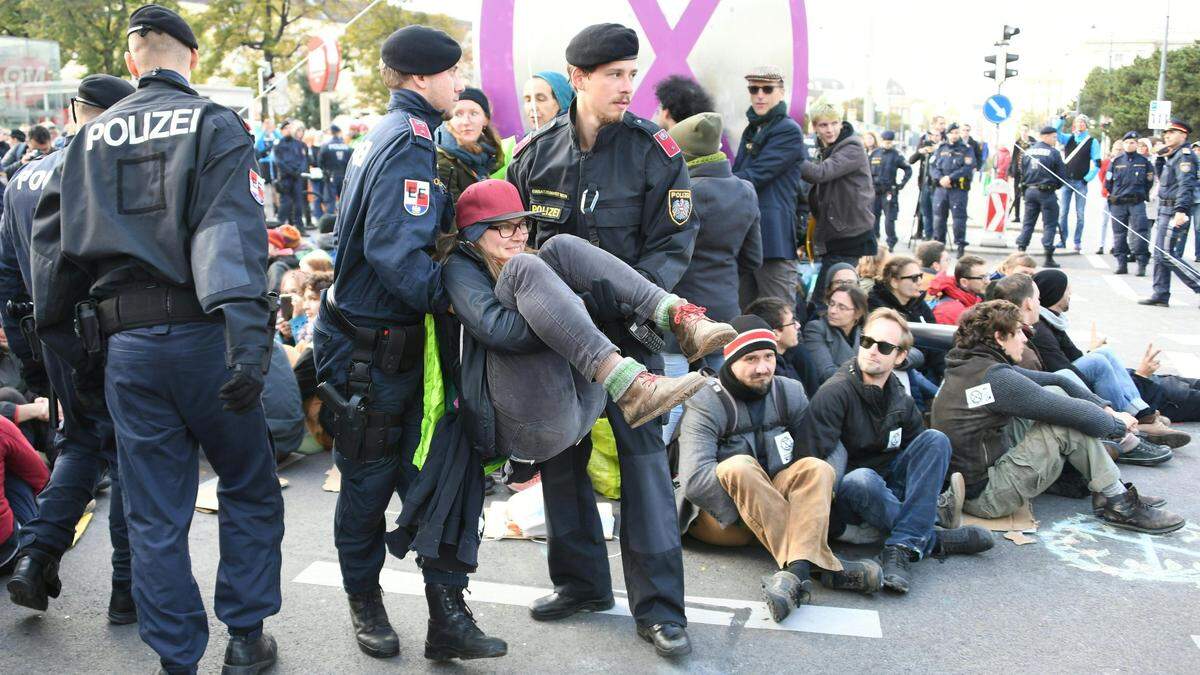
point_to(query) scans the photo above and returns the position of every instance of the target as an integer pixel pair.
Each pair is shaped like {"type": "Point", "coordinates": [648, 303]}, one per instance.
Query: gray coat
{"type": "Point", "coordinates": [703, 444]}
{"type": "Point", "coordinates": [729, 242]}
{"type": "Point", "coordinates": [826, 349]}
{"type": "Point", "coordinates": [843, 189]}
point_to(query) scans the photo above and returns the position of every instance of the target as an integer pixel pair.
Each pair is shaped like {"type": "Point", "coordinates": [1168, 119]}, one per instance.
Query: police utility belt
{"type": "Point", "coordinates": [360, 433]}
{"type": "Point", "coordinates": [1047, 187]}
{"type": "Point", "coordinates": [151, 305]}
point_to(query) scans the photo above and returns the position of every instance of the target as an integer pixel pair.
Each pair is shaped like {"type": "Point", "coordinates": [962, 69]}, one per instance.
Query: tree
{"type": "Point", "coordinates": [89, 32]}
{"type": "Point", "coordinates": [1124, 94]}
{"type": "Point", "coordinates": [309, 110]}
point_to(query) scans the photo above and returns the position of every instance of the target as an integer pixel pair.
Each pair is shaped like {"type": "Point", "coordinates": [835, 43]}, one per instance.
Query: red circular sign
{"type": "Point", "coordinates": [324, 63]}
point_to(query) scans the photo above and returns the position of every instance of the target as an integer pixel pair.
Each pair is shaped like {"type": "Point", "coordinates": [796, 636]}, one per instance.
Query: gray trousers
{"type": "Point", "coordinates": [775, 279]}
{"type": "Point", "coordinates": [547, 400]}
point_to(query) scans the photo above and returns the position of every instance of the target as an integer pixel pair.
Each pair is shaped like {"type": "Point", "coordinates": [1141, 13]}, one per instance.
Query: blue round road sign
{"type": "Point", "coordinates": [997, 108]}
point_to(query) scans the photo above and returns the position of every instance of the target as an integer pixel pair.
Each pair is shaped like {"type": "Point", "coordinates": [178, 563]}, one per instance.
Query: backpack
{"type": "Point", "coordinates": [778, 396]}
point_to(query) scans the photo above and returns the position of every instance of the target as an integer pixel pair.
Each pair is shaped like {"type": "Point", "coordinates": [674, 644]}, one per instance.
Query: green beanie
{"type": "Point", "coordinates": [698, 135]}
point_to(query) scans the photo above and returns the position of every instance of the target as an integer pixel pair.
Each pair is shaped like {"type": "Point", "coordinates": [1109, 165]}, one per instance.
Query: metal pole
{"type": "Point", "coordinates": [1162, 63]}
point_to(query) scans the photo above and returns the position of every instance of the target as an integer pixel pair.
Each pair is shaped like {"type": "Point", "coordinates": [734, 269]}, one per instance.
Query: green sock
{"type": "Point", "coordinates": [621, 377]}
{"type": "Point", "coordinates": [662, 313]}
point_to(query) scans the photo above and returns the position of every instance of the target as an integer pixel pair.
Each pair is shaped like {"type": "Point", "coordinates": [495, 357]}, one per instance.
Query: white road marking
{"type": "Point", "coordinates": [1096, 261]}
{"type": "Point", "coordinates": [1191, 340]}
{"type": "Point", "coordinates": [1196, 639]}
{"type": "Point", "coordinates": [1121, 287]}
{"type": "Point", "coordinates": [710, 611]}
{"type": "Point", "coordinates": [1186, 363]}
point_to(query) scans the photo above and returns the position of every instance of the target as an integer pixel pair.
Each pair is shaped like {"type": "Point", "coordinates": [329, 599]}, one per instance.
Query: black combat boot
{"type": "Point", "coordinates": [1049, 261]}
{"type": "Point", "coordinates": [371, 627]}
{"type": "Point", "coordinates": [244, 656]}
{"type": "Point", "coordinates": [1122, 267]}
{"type": "Point", "coordinates": [121, 610]}
{"type": "Point", "coordinates": [34, 577]}
{"type": "Point", "coordinates": [453, 633]}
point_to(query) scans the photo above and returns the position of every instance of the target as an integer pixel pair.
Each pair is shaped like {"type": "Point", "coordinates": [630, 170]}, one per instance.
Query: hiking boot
{"type": "Point", "coordinates": [243, 657]}
{"type": "Point", "coordinates": [1100, 251]}
{"type": "Point", "coordinates": [896, 561]}
{"type": "Point", "coordinates": [1145, 454]}
{"type": "Point", "coordinates": [967, 540]}
{"type": "Point", "coordinates": [651, 396]}
{"type": "Point", "coordinates": [950, 502]}
{"type": "Point", "coordinates": [453, 633]}
{"type": "Point", "coordinates": [1141, 269]}
{"type": "Point", "coordinates": [784, 591]}
{"type": "Point", "coordinates": [121, 610]}
{"type": "Point", "coordinates": [864, 576]}
{"type": "Point", "coordinates": [1153, 302]}
{"type": "Point", "coordinates": [1158, 432]}
{"type": "Point", "coordinates": [34, 577]}
{"type": "Point", "coordinates": [1099, 501]}
{"type": "Point", "coordinates": [1122, 268]}
{"type": "Point", "coordinates": [697, 334]}
{"type": "Point", "coordinates": [1128, 512]}
{"type": "Point", "coordinates": [669, 639]}
{"type": "Point", "coordinates": [557, 606]}
{"type": "Point", "coordinates": [372, 629]}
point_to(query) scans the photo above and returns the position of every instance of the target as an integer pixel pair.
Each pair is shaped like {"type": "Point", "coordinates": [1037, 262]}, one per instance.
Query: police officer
{"type": "Point", "coordinates": [369, 337]}
{"type": "Point", "coordinates": [1176, 166]}
{"type": "Point", "coordinates": [885, 162]}
{"type": "Point", "coordinates": [617, 180]}
{"type": "Point", "coordinates": [1128, 181]}
{"type": "Point", "coordinates": [951, 170]}
{"type": "Point", "coordinates": [333, 158]}
{"type": "Point", "coordinates": [86, 447]}
{"type": "Point", "coordinates": [1041, 166]}
{"type": "Point", "coordinates": [291, 161]}
{"type": "Point", "coordinates": [151, 237]}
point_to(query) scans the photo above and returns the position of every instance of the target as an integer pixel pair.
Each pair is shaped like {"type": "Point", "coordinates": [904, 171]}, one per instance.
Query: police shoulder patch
{"type": "Point", "coordinates": [419, 128]}
{"type": "Point", "coordinates": [968, 160]}
{"type": "Point", "coordinates": [679, 206]}
{"type": "Point", "coordinates": [416, 196]}
{"type": "Point", "coordinates": [669, 146]}
{"type": "Point", "coordinates": [1185, 167]}
{"type": "Point", "coordinates": [257, 187]}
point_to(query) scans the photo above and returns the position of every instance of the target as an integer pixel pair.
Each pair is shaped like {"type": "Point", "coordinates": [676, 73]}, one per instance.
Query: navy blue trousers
{"type": "Point", "coordinates": [1043, 203]}
{"type": "Point", "coordinates": [162, 387]}
{"type": "Point", "coordinates": [950, 202]}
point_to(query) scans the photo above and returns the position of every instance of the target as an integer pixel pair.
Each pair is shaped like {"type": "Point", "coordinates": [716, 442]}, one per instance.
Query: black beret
{"type": "Point", "coordinates": [602, 43]}
{"type": "Point", "coordinates": [1048, 130]}
{"type": "Point", "coordinates": [163, 20]}
{"type": "Point", "coordinates": [1130, 135]}
{"type": "Point", "coordinates": [473, 94]}
{"type": "Point", "coordinates": [102, 91]}
{"type": "Point", "coordinates": [953, 126]}
{"type": "Point", "coordinates": [420, 50]}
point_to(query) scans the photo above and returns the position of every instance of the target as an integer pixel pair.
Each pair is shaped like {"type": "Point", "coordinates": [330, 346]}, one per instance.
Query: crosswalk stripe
{"type": "Point", "coordinates": [1096, 261]}
{"type": "Point", "coordinates": [1185, 363]}
{"type": "Point", "coordinates": [1121, 287]}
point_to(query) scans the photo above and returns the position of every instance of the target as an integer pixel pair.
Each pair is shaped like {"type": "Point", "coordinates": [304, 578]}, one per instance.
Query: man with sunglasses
{"type": "Point", "coordinates": [895, 466]}
{"type": "Point", "coordinates": [952, 295]}
{"type": "Point", "coordinates": [769, 155]}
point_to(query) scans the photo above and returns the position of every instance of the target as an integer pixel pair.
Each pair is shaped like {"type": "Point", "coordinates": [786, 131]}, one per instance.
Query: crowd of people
{"type": "Point", "coordinates": [467, 307]}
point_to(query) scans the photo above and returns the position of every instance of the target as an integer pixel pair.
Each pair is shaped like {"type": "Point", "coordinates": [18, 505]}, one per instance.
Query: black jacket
{"type": "Point", "coordinates": [873, 423]}
{"type": "Point", "coordinates": [486, 326]}
{"type": "Point", "coordinates": [914, 311]}
{"type": "Point", "coordinates": [1055, 348]}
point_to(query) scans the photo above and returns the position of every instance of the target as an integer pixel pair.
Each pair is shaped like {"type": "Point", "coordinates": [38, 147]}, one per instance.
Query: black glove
{"type": "Point", "coordinates": [601, 303]}
{"type": "Point", "coordinates": [244, 389]}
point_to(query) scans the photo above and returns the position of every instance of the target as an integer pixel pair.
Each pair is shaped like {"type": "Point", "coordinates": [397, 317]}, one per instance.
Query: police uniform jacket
{"type": "Point", "coordinates": [291, 158]}
{"type": "Point", "coordinates": [333, 159]}
{"type": "Point", "coordinates": [630, 194]}
{"type": "Point", "coordinates": [1177, 181]}
{"type": "Point", "coordinates": [162, 187]}
{"type": "Point", "coordinates": [1129, 178]}
{"type": "Point", "coordinates": [1035, 173]}
{"type": "Point", "coordinates": [772, 165]}
{"type": "Point", "coordinates": [393, 207]}
{"type": "Point", "coordinates": [885, 162]}
{"type": "Point", "coordinates": [955, 160]}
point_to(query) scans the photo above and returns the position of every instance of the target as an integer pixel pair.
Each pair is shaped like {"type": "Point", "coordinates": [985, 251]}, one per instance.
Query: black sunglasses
{"type": "Point", "coordinates": [766, 89]}
{"type": "Point", "coordinates": [914, 277]}
{"type": "Point", "coordinates": [885, 348]}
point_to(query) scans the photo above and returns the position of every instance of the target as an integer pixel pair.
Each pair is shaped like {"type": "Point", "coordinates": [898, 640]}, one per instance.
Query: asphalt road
{"type": "Point", "coordinates": [1083, 597]}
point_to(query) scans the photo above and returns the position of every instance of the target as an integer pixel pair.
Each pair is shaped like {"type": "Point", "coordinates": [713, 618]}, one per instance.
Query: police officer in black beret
{"type": "Point", "coordinates": [617, 180]}
{"type": "Point", "coordinates": [369, 339]}
{"type": "Point", "coordinates": [150, 237]}
{"type": "Point", "coordinates": [87, 447]}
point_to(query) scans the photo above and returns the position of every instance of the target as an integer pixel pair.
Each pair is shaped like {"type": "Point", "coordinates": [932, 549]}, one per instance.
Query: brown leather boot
{"type": "Point", "coordinates": [1128, 512]}
{"type": "Point", "coordinates": [697, 334]}
{"type": "Point", "coordinates": [653, 395]}
{"type": "Point", "coordinates": [1155, 430]}
{"type": "Point", "coordinates": [1099, 501]}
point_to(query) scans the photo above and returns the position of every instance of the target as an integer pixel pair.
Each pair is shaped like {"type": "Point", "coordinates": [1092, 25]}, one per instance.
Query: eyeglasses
{"type": "Point", "coordinates": [789, 325]}
{"type": "Point", "coordinates": [914, 277]}
{"type": "Point", "coordinates": [885, 348]}
{"type": "Point", "coordinates": [508, 228]}
{"type": "Point", "coordinates": [840, 307]}
{"type": "Point", "coordinates": [767, 89]}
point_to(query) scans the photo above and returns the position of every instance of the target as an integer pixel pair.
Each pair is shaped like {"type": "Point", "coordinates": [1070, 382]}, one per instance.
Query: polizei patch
{"type": "Point", "coordinates": [679, 203]}
{"type": "Point", "coordinates": [416, 196]}
{"type": "Point", "coordinates": [138, 128]}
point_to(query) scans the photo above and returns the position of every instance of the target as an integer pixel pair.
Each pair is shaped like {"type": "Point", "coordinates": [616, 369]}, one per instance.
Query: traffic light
{"type": "Point", "coordinates": [1000, 60]}
{"type": "Point", "coordinates": [1009, 57]}
{"type": "Point", "coordinates": [991, 73]}
{"type": "Point", "coordinates": [1010, 31]}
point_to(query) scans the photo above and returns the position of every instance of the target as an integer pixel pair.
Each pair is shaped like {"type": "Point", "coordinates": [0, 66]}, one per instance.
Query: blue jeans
{"type": "Point", "coordinates": [925, 204]}
{"type": "Point", "coordinates": [904, 504]}
{"type": "Point", "coordinates": [1106, 376]}
{"type": "Point", "coordinates": [676, 365]}
{"type": "Point", "coordinates": [1067, 194]}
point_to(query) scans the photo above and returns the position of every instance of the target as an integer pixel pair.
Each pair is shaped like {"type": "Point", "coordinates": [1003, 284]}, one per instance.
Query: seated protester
{"type": "Point", "coordinates": [291, 306]}
{"type": "Point", "coordinates": [782, 320]}
{"type": "Point", "coordinates": [23, 474]}
{"type": "Point", "coordinates": [832, 340]}
{"type": "Point", "coordinates": [898, 288]}
{"type": "Point", "coordinates": [895, 466]}
{"type": "Point", "coordinates": [314, 286]}
{"type": "Point", "coordinates": [741, 476]}
{"type": "Point", "coordinates": [843, 273]}
{"type": "Point", "coordinates": [281, 403]}
{"type": "Point", "coordinates": [951, 296]}
{"type": "Point", "coordinates": [280, 258]}
{"type": "Point", "coordinates": [524, 323]}
{"type": "Point", "coordinates": [1011, 436]}
{"type": "Point", "coordinates": [934, 260]}
{"type": "Point", "coordinates": [1101, 370]}
{"type": "Point", "coordinates": [869, 267]}
{"type": "Point", "coordinates": [1015, 263]}
{"type": "Point", "coordinates": [317, 262]}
